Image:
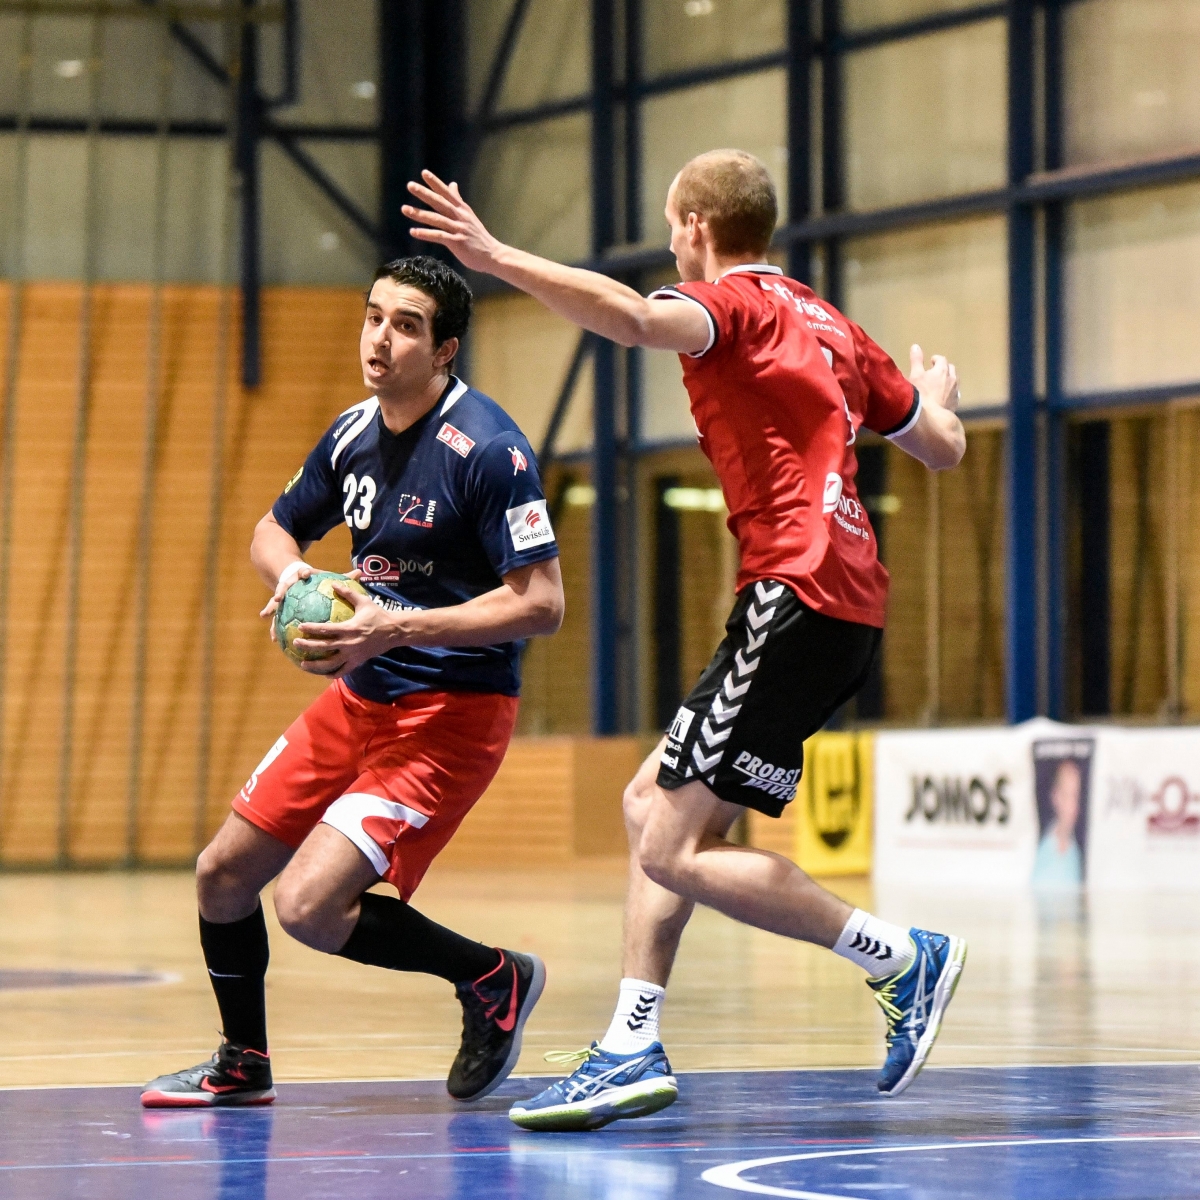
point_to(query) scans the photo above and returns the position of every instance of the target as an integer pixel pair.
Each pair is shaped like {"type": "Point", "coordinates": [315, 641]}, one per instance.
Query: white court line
{"type": "Point", "coordinates": [540, 1075]}
{"type": "Point", "coordinates": [729, 1175]}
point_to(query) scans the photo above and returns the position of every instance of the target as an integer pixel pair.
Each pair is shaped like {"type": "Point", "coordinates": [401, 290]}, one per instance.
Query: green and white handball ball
{"type": "Point", "coordinates": [312, 601]}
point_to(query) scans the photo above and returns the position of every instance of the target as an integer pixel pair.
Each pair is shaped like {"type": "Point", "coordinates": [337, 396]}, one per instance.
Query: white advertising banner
{"type": "Point", "coordinates": [959, 806]}
{"type": "Point", "coordinates": [1144, 827]}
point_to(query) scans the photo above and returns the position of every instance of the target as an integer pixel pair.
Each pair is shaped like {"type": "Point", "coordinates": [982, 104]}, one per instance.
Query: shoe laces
{"type": "Point", "coordinates": [566, 1057]}
{"type": "Point", "coordinates": [475, 1022]}
{"type": "Point", "coordinates": [885, 997]}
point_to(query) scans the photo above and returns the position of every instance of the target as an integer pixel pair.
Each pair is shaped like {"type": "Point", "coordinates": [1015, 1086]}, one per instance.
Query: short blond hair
{"type": "Point", "coordinates": [733, 192]}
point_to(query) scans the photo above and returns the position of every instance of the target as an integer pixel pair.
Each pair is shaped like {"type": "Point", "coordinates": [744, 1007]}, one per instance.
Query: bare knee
{"type": "Point", "coordinates": [662, 862]}
{"type": "Point", "coordinates": [635, 805]}
{"type": "Point", "coordinates": [306, 914]}
{"type": "Point", "coordinates": [222, 890]}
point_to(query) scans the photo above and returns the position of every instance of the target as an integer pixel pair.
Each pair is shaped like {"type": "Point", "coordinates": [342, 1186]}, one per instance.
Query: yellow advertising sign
{"type": "Point", "coordinates": [835, 804]}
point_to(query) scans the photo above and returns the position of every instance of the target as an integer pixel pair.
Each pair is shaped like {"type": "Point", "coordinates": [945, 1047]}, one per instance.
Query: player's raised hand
{"type": "Point", "coordinates": [451, 222]}
{"type": "Point", "coordinates": [937, 384]}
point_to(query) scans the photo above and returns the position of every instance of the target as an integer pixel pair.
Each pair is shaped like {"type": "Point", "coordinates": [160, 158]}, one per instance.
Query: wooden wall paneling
{"type": "Point", "coordinates": [96, 829]}
{"type": "Point", "coordinates": [602, 768]}
{"type": "Point", "coordinates": [526, 817]}
{"type": "Point", "coordinates": [310, 374]}
{"type": "Point", "coordinates": [1188, 501]}
{"type": "Point", "coordinates": [555, 692]}
{"type": "Point", "coordinates": [972, 589]}
{"type": "Point", "coordinates": [1138, 564]}
{"type": "Point", "coordinates": [175, 604]}
{"type": "Point", "coordinates": [41, 492]}
{"type": "Point", "coordinates": [554, 800]}
{"type": "Point", "coordinates": [8, 343]}
{"type": "Point", "coordinates": [708, 570]}
{"type": "Point", "coordinates": [904, 650]}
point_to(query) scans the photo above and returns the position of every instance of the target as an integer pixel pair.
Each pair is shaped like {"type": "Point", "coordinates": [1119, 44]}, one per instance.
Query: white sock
{"type": "Point", "coordinates": [635, 1023]}
{"type": "Point", "coordinates": [879, 948]}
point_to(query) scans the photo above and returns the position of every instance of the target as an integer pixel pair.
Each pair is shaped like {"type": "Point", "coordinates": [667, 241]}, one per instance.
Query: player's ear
{"type": "Point", "coordinates": [444, 355]}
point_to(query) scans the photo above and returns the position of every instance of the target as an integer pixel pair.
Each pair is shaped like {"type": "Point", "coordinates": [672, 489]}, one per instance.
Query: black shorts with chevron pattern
{"type": "Point", "coordinates": [780, 673]}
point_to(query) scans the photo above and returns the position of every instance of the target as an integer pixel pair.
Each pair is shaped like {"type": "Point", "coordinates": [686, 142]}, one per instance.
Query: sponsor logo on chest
{"type": "Point", "coordinates": [377, 569]}
{"type": "Point", "coordinates": [455, 439]}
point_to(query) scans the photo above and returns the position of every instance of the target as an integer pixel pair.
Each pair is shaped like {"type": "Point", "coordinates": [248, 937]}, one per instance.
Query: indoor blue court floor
{"type": "Point", "coordinates": [1059, 1133]}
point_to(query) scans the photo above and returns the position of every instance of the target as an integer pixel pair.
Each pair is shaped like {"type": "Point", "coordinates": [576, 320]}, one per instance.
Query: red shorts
{"type": "Point", "coordinates": [397, 779]}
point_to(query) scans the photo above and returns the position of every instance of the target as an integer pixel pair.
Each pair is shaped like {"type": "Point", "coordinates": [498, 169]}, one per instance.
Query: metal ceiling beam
{"type": "Point", "coordinates": [583, 348]}
{"type": "Point", "coordinates": [1021, 461]}
{"type": "Point", "coordinates": [176, 10]}
{"type": "Point", "coordinates": [799, 133]}
{"type": "Point", "coordinates": [317, 175]}
{"type": "Point", "coordinates": [249, 114]}
{"type": "Point", "coordinates": [502, 61]}
{"type": "Point", "coordinates": [604, 583]}
{"type": "Point", "coordinates": [673, 81]}
{"type": "Point", "coordinates": [131, 127]}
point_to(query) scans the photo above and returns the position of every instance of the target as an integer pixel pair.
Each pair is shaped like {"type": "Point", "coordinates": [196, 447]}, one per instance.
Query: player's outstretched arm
{"type": "Point", "coordinates": [586, 298]}
{"type": "Point", "coordinates": [938, 438]}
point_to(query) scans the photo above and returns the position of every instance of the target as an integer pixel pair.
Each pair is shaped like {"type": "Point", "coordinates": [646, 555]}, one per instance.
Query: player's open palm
{"type": "Point", "coordinates": [938, 384]}
{"type": "Point", "coordinates": [451, 222]}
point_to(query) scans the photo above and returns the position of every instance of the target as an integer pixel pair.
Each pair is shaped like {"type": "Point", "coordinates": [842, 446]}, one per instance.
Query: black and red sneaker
{"type": "Point", "coordinates": [495, 1009]}
{"type": "Point", "coordinates": [234, 1075]}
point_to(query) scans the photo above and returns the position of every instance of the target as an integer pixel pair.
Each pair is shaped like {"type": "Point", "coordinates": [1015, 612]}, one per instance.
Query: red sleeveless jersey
{"type": "Point", "coordinates": [779, 396]}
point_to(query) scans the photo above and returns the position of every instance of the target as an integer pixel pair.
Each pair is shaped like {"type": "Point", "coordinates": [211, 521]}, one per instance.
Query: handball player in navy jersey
{"type": "Point", "coordinates": [452, 540]}
{"type": "Point", "coordinates": [780, 385]}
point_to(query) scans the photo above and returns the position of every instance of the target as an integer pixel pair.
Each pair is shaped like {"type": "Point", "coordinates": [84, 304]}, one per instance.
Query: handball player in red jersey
{"type": "Point", "coordinates": [780, 385]}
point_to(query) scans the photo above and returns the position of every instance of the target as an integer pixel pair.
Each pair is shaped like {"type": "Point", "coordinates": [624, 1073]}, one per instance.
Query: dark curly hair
{"type": "Point", "coordinates": [441, 283]}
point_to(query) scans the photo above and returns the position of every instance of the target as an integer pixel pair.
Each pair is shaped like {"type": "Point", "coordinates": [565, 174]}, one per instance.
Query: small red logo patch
{"type": "Point", "coordinates": [519, 461]}
{"type": "Point", "coordinates": [455, 439]}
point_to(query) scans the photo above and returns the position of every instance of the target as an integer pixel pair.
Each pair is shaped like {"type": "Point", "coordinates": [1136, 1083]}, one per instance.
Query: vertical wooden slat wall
{"type": "Point", "coordinates": [310, 373]}
{"type": "Point", "coordinates": [44, 401]}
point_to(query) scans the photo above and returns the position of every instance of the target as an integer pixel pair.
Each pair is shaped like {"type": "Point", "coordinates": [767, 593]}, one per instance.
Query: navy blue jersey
{"type": "Point", "coordinates": [437, 514]}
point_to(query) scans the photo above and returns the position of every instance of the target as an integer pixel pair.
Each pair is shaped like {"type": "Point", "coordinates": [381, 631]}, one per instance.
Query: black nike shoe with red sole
{"type": "Point", "coordinates": [495, 1009]}
{"type": "Point", "coordinates": [234, 1075]}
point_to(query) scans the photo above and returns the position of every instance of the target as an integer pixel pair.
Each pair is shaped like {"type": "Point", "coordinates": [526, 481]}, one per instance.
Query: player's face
{"type": "Point", "coordinates": [396, 348]}
{"type": "Point", "coordinates": [686, 244]}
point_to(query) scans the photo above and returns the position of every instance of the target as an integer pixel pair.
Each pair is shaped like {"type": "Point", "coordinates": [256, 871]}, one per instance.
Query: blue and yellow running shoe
{"type": "Point", "coordinates": [913, 1003]}
{"type": "Point", "coordinates": [605, 1088]}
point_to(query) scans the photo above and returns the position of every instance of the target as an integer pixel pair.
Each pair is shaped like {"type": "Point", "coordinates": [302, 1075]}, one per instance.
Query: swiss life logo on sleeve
{"type": "Point", "coordinates": [529, 525]}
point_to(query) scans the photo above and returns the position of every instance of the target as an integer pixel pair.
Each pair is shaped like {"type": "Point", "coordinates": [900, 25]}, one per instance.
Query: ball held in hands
{"type": "Point", "coordinates": [312, 601]}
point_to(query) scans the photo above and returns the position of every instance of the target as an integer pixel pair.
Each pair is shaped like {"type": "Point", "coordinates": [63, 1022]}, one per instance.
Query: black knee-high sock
{"type": "Point", "coordinates": [394, 935]}
{"type": "Point", "coordinates": [237, 955]}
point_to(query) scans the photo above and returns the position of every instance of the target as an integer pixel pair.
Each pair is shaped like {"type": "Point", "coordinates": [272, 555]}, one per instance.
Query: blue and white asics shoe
{"type": "Point", "coordinates": [605, 1088]}
{"type": "Point", "coordinates": [913, 1003]}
